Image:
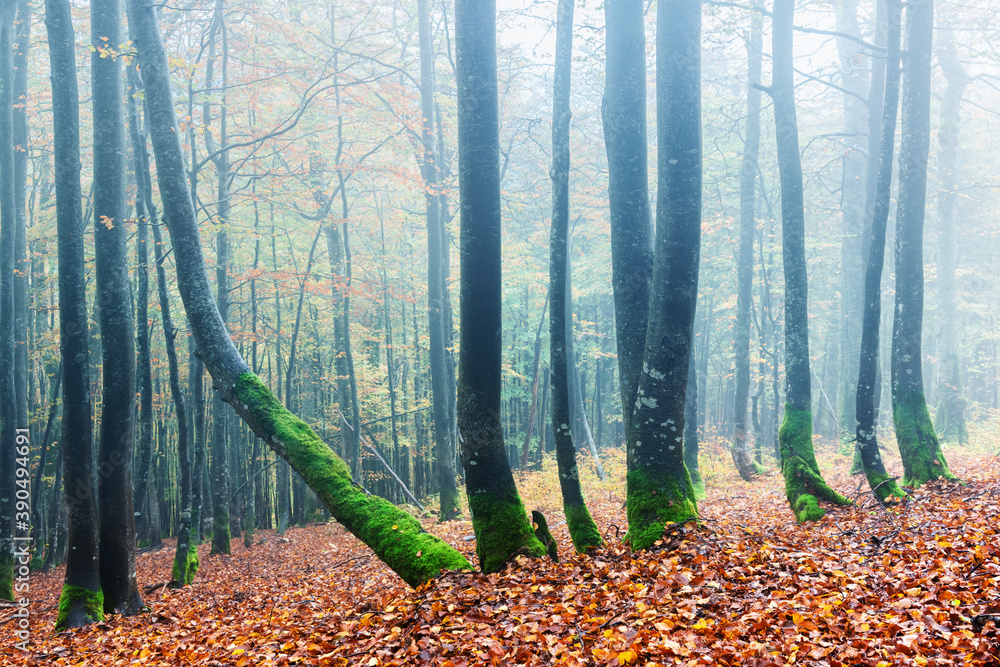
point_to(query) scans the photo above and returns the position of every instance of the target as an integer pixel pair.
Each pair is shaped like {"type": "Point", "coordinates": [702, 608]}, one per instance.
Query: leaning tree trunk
{"type": "Point", "coordinates": [740, 448]}
{"type": "Point", "coordinates": [950, 414]}
{"type": "Point", "coordinates": [871, 460]}
{"type": "Point", "coordinates": [395, 536]}
{"type": "Point", "coordinates": [919, 448]}
{"type": "Point", "coordinates": [498, 516]}
{"type": "Point", "coordinates": [82, 600]}
{"type": "Point", "coordinates": [114, 483]}
{"type": "Point", "coordinates": [624, 116]}
{"type": "Point", "coordinates": [804, 484]}
{"type": "Point", "coordinates": [659, 487]}
{"type": "Point", "coordinates": [582, 528]}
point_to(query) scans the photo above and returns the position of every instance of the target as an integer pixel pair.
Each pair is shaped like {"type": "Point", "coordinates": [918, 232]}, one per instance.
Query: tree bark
{"type": "Point", "coordinates": [8, 395]}
{"type": "Point", "coordinates": [582, 529]}
{"type": "Point", "coordinates": [868, 385]}
{"type": "Point", "coordinates": [804, 484]}
{"type": "Point", "coordinates": [624, 116]}
{"type": "Point", "coordinates": [659, 486]}
{"type": "Point", "coordinates": [919, 447]}
{"type": "Point", "coordinates": [742, 457]}
{"type": "Point", "coordinates": [114, 478]}
{"type": "Point", "coordinates": [498, 515]}
{"type": "Point", "coordinates": [440, 398]}
{"type": "Point", "coordinates": [950, 413]}
{"type": "Point", "coordinates": [395, 536]}
{"type": "Point", "coordinates": [82, 600]}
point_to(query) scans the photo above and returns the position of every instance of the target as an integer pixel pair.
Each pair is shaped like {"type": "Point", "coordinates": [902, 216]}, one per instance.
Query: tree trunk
{"type": "Point", "coordinates": [624, 116]}
{"type": "Point", "coordinates": [868, 383]}
{"type": "Point", "coordinates": [691, 431]}
{"type": "Point", "coordinates": [659, 488]}
{"type": "Point", "coordinates": [855, 82]}
{"type": "Point", "coordinates": [82, 600]}
{"type": "Point", "coordinates": [395, 536]}
{"type": "Point", "coordinates": [804, 484]}
{"type": "Point", "coordinates": [8, 395]}
{"type": "Point", "coordinates": [449, 502]}
{"type": "Point", "coordinates": [950, 413]}
{"type": "Point", "coordinates": [117, 434]}
{"type": "Point", "coordinates": [498, 515]}
{"type": "Point", "coordinates": [742, 457]}
{"type": "Point", "coordinates": [582, 528]}
{"type": "Point", "coordinates": [536, 366]}
{"type": "Point", "coordinates": [919, 448]}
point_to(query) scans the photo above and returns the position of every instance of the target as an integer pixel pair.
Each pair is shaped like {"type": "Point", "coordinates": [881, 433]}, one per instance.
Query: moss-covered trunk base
{"type": "Point", "coordinates": [451, 508]}
{"type": "Point", "coordinates": [502, 530]}
{"type": "Point", "coordinates": [655, 502]}
{"type": "Point", "coordinates": [7, 574]}
{"type": "Point", "coordinates": [804, 485]}
{"type": "Point", "coordinates": [79, 606]}
{"type": "Point", "coordinates": [582, 528]}
{"type": "Point", "coordinates": [396, 537]}
{"type": "Point", "coordinates": [918, 443]}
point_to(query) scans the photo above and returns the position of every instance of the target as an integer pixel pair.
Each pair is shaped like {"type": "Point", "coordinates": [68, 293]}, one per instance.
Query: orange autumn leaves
{"type": "Point", "coordinates": [910, 586]}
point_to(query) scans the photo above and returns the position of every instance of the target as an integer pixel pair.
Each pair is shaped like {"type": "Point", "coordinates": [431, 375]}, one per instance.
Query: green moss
{"type": "Point", "coordinates": [655, 503]}
{"type": "Point", "coordinates": [192, 563]}
{"type": "Point", "coordinates": [544, 535]}
{"type": "Point", "coordinates": [919, 447]}
{"type": "Point", "coordinates": [450, 503]}
{"type": "Point", "coordinates": [79, 606]}
{"type": "Point", "coordinates": [804, 485]}
{"type": "Point", "coordinates": [582, 528]}
{"type": "Point", "coordinates": [502, 530]}
{"type": "Point", "coordinates": [396, 537]}
{"type": "Point", "coordinates": [7, 576]}
{"type": "Point", "coordinates": [807, 508]}
{"type": "Point", "coordinates": [884, 486]}
{"type": "Point", "coordinates": [697, 484]}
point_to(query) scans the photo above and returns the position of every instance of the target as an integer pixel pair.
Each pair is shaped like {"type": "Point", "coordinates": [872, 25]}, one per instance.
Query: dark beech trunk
{"type": "Point", "coordinates": [498, 515]}
{"type": "Point", "coordinates": [918, 443]}
{"type": "Point", "coordinates": [868, 383]}
{"type": "Point", "coordinates": [660, 492]}
{"type": "Point", "coordinates": [82, 600]}
{"type": "Point", "coordinates": [624, 116]}
{"type": "Point", "coordinates": [582, 528]}
{"type": "Point", "coordinates": [804, 485]}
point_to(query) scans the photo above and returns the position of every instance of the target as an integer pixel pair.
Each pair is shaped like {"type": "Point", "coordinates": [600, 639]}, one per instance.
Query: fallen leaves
{"type": "Point", "coordinates": [916, 584]}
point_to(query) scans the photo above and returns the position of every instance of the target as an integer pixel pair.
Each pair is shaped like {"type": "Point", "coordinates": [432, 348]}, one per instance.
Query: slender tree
{"type": "Point", "coordinates": [919, 447]}
{"type": "Point", "coordinates": [867, 387]}
{"type": "Point", "coordinates": [659, 486]}
{"type": "Point", "coordinates": [804, 485]}
{"type": "Point", "coordinates": [950, 413]}
{"type": "Point", "coordinates": [8, 397]}
{"type": "Point", "coordinates": [440, 397]}
{"type": "Point", "coordinates": [582, 529]}
{"type": "Point", "coordinates": [114, 293]}
{"type": "Point", "coordinates": [82, 600]}
{"type": "Point", "coordinates": [498, 515]}
{"type": "Point", "coordinates": [740, 448]}
{"type": "Point", "coordinates": [395, 536]}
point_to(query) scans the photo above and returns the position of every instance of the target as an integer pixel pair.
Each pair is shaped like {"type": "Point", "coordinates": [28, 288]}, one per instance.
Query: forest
{"type": "Point", "coordinates": [499, 332]}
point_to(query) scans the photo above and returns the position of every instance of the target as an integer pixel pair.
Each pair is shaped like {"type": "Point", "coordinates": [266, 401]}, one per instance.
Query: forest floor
{"type": "Point", "coordinates": [916, 584]}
